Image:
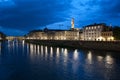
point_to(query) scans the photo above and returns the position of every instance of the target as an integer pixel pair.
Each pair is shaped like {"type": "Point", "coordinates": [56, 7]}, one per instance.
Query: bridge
{"type": "Point", "coordinates": [15, 38]}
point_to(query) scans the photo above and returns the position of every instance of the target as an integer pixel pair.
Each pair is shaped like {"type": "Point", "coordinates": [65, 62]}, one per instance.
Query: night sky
{"type": "Point", "coordinates": [17, 17]}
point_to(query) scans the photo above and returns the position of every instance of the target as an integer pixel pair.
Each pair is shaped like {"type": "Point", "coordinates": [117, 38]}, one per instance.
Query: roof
{"type": "Point", "coordinates": [96, 24]}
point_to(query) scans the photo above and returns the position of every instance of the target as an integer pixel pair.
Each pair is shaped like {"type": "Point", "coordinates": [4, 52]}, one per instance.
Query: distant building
{"type": "Point", "coordinates": [52, 34]}
{"type": "Point", "coordinates": [97, 32]}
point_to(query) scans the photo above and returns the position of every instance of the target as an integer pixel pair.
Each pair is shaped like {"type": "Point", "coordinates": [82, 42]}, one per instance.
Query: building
{"type": "Point", "coordinates": [72, 24]}
{"type": "Point", "coordinates": [97, 32]}
{"type": "Point", "coordinates": [52, 34]}
{"type": "Point", "coordinates": [35, 34]}
{"type": "Point", "coordinates": [107, 36]}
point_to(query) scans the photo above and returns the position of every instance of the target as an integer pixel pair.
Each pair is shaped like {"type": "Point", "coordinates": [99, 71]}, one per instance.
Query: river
{"type": "Point", "coordinates": [26, 61]}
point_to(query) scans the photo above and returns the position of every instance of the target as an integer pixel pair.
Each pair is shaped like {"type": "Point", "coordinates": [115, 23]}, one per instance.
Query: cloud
{"type": "Point", "coordinates": [96, 11]}
{"type": "Point", "coordinates": [12, 32]}
{"type": "Point", "coordinates": [6, 3]}
{"type": "Point", "coordinates": [28, 14]}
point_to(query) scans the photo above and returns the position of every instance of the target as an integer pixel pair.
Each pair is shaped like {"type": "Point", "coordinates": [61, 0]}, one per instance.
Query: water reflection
{"type": "Point", "coordinates": [75, 64]}
{"type": "Point", "coordinates": [65, 55]}
{"type": "Point", "coordinates": [0, 47]}
{"type": "Point", "coordinates": [89, 57]}
{"type": "Point", "coordinates": [31, 49]}
{"type": "Point", "coordinates": [13, 47]}
{"type": "Point", "coordinates": [100, 58]}
{"type": "Point", "coordinates": [62, 50]}
{"type": "Point", "coordinates": [109, 61]}
{"type": "Point", "coordinates": [76, 54]}
{"type": "Point", "coordinates": [38, 49]}
{"type": "Point", "coordinates": [23, 45]}
{"type": "Point", "coordinates": [41, 50]}
{"type": "Point", "coordinates": [51, 52]}
{"type": "Point", "coordinates": [46, 52]}
{"type": "Point", "coordinates": [67, 64]}
{"type": "Point", "coordinates": [28, 48]}
{"type": "Point", "coordinates": [9, 46]}
{"type": "Point", "coordinates": [57, 54]}
{"type": "Point", "coordinates": [65, 58]}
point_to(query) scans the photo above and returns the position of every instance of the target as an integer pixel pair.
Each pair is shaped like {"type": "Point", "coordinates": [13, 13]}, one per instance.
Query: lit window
{"type": "Point", "coordinates": [92, 27]}
{"type": "Point", "coordinates": [98, 26]}
{"type": "Point", "coordinates": [95, 27]}
{"type": "Point", "coordinates": [86, 28]}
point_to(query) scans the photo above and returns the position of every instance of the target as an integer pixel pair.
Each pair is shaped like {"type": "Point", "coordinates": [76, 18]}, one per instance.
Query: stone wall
{"type": "Point", "coordinates": [101, 45]}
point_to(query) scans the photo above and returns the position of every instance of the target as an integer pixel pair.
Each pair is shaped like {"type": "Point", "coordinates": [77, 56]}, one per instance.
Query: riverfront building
{"type": "Point", "coordinates": [50, 34]}
{"type": "Point", "coordinates": [53, 35]}
{"type": "Point", "coordinates": [95, 32]}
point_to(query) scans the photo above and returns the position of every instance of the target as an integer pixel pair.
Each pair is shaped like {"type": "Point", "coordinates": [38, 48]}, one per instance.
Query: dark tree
{"type": "Point", "coordinates": [2, 35]}
{"type": "Point", "coordinates": [116, 32]}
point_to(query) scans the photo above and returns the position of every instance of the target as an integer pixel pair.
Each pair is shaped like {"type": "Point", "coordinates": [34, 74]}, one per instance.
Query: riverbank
{"type": "Point", "coordinates": [100, 45]}
{"type": "Point", "coordinates": [1, 40]}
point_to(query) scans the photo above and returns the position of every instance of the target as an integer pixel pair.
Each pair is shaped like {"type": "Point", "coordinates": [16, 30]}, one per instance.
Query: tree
{"type": "Point", "coordinates": [116, 32]}
{"type": "Point", "coordinates": [2, 35]}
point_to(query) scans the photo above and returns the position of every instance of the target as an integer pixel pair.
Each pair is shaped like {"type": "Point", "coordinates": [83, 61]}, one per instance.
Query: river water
{"type": "Point", "coordinates": [25, 61]}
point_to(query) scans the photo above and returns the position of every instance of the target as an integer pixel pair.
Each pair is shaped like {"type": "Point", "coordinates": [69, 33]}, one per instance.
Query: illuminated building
{"type": "Point", "coordinates": [72, 24]}
{"type": "Point", "coordinates": [97, 32]}
{"type": "Point", "coordinates": [52, 34]}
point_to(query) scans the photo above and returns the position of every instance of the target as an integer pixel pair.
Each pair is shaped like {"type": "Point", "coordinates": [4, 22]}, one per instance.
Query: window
{"type": "Point", "coordinates": [95, 27]}
{"type": "Point", "coordinates": [86, 28]}
{"type": "Point", "coordinates": [92, 27]}
{"type": "Point", "coordinates": [98, 26]}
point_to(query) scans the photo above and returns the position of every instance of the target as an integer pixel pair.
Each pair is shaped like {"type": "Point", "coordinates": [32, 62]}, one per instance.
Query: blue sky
{"type": "Point", "coordinates": [17, 17]}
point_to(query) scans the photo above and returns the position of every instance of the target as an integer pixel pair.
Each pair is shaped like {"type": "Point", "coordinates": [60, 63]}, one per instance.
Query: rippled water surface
{"type": "Point", "coordinates": [25, 61]}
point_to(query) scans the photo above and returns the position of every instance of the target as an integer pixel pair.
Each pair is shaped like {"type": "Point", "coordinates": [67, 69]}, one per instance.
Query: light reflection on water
{"type": "Point", "coordinates": [89, 57]}
{"type": "Point", "coordinates": [57, 54]}
{"type": "Point", "coordinates": [66, 64]}
{"type": "Point", "coordinates": [0, 48]}
{"type": "Point", "coordinates": [75, 64]}
{"type": "Point", "coordinates": [76, 55]}
{"type": "Point", "coordinates": [51, 52]}
{"type": "Point", "coordinates": [42, 51]}
{"type": "Point", "coordinates": [100, 58]}
{"type": "Point", "coordinates": [109, 59]}
{"type": "Point", "coordinates": [65, 57]}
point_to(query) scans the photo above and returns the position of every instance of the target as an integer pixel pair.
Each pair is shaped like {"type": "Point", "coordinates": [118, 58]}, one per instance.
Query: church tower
{"type": "Point", "coordinates": [72, 23]}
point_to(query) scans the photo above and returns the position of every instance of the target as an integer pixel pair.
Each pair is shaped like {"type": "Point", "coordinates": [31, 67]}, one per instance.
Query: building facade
{"type": "Point", "coordinates": [97, 32]}
{"type": "Point", "coordinates": [54, 35]}
{"type": "Point", "coordinates": [48, 34]}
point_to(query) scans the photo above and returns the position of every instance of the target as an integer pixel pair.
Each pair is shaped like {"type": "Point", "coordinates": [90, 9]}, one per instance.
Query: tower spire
{"type": "Point", "coordinates": [72, 23]}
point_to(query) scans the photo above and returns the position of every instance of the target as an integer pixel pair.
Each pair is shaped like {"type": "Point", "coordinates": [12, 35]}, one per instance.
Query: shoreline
{"type": "Point", "coordinates": [95, 45]}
